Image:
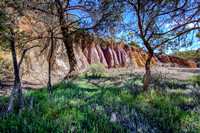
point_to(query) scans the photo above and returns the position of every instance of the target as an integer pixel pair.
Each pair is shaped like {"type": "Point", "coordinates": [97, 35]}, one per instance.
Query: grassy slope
{"type": "Point", "coordinates": [85, 104]}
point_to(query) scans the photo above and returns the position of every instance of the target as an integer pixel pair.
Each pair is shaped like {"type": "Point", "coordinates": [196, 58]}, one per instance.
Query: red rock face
{"type": "Point", "coordinates": [119, 57]}
{"type": "Point", "coordinates": [128, 54]}
{"type": "Point", "coordinates": [93, 56]}
{"type": "Point", "coordinates": [85, 52]}
{"type": "Point", "coordinates": [183, 62]}
{"type": "Point", "coordinates": [109, 57]}
{"type": "Point", "coordinates": [163, 58]}
{"type": "Point", "coordinates": [82, 63]}
{"type": "Point", "coordinates": [116, 62]}
{"type": "Point", "coordinates": [175, 61]}
{"type": "Point", "coordinates": [123, 55]}
{"type": "Point", "coordinates": [158, 63]}
{"type": "Point", "coordinates": [101, 56]}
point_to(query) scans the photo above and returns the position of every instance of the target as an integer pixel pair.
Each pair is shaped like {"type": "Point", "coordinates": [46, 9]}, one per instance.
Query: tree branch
{"type": "Point", "coordinates": [23, 54]}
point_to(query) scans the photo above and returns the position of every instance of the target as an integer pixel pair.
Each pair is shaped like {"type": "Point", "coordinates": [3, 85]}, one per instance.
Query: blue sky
{"type": "Point", "coordinates": [128, 17]}
{"type": "Point", "coordinates": [192, 35]}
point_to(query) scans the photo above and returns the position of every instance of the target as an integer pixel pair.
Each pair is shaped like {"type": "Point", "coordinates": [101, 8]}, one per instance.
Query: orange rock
{"type": "Point", "coordinates": [190, 63]}
{"type": "Point", "coordinates": [85, 52]}
{"type": "Point", "coordinates": [138, 60]}
{"type": "Point", "coordinates": [183, 62]}
{"type": "Point", "coordinates": [153, 62]}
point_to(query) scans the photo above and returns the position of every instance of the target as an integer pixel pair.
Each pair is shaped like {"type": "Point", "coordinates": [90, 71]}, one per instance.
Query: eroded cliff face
{"type": "Point", "coordinates": [34, 68]}
{"type": "Point", "coordinates": [172, 61]}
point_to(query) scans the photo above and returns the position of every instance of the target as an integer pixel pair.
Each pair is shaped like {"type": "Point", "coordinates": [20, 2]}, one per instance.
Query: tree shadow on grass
{"type": "Point", "coordinates": [100, 101]}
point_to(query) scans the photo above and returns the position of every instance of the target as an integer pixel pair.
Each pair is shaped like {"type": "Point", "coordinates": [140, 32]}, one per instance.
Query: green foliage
{"type": "Point", "coordinates": [197, 79]}
{"type": "Point", "coordinates": [4, 17]}
{"type": "Point", "coordinates": [97, 69]}
{"type": "Point", "coordinates": [69, 110]}
{"type": "Point", "coordinates": [198, 35]}
{"type": "Point", "coordinates": [5, 21]}
{"type": "Point", "coordinates": [133, 43]}
{"type": "Point", "coordinates": [82, 106]}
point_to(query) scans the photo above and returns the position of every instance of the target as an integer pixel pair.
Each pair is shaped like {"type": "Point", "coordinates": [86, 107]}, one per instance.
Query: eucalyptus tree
{"type": "Point", "coordinates": [77, 17]}
{"type": "Point", "coordinates": [162, 24]}
{"type": "Point", "coordinates": [11, 12]}
{"type": "Point", "coordinates": [80, 17]}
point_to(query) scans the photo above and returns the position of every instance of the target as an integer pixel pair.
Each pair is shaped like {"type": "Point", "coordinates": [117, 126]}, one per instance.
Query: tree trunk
{"type": "Point", "coordinates": [50, 57]}
{"type": "Point", "coordinates": [146, 78]}
{"type": "Point", "coordinates": [67, 39]}
{"type": "Point", "coordinates": [17, 82]}
{"type": "Point", "coordinates": [70, 52]}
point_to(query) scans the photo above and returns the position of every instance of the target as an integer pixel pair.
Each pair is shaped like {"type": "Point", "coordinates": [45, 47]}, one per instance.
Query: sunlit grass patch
{"type": "Point", "coordinates": [86, 105]}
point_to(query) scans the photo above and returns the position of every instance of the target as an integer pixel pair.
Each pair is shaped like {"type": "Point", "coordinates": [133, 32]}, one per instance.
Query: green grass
{"type": "Point", "coordinates": [86, 104]}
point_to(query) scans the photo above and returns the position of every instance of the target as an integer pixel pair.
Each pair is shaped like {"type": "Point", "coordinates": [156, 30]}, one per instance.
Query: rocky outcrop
{"type": "Point", "coordinates": [138, 59]}
{"type": "Point", "coordinates": [109, 57]}
{"type": "Point", "coordinates": [101, 56]}
{"type": "Point", "coordinates": [163, 58]}
{"type": "Point", "coordinates": [111, 54]}
{"type": "Point", "coordinates": [34, 68]}
{"type": "Point", "coordinates": [172, 61]}
{"type": "Point", "coordinates": [93, 56]}
{"type": "Point", "coordinates": [116, 62]}
{"type": "Point", "coordinates": [183, 62]}
{"type": "Point", "coordinates": [119, 56]}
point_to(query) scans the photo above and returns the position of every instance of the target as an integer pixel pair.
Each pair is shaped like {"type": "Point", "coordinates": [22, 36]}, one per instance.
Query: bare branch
{"type": "Point", "coordinates": [23, 54]}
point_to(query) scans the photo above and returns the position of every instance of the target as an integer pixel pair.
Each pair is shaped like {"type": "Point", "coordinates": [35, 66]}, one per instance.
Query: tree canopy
{"type": "Point", "coordinates": [158, 23]}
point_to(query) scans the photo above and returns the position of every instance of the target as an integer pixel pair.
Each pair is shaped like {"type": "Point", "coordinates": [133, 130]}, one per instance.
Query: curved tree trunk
{"type": "Point", "coordinates": [146, 78]}
{"type": "Point", "coordinates": [67, 39]}
{"type": "Point", "coordinates": [17, 82]}
{"type": "Point", "coordinates": [70, 52]}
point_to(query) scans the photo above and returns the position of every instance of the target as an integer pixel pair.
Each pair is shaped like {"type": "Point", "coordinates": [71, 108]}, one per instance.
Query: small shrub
{"type": "Point", "coordinates": [85, 74]}
{"type": "Point", "coordinates": [97, 69]}
{"type": "Point", "coordinates": [197, 79]}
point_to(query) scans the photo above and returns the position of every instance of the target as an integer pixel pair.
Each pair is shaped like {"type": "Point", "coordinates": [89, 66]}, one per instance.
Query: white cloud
{"type": "Point", "coordinates": [191, 25]}
{"type": "Point", "coordinates": [167, 25]}
{"type": "Point", "coordinates": [198, 42]}
{"type": "Point", "coordinates": [182, 49]}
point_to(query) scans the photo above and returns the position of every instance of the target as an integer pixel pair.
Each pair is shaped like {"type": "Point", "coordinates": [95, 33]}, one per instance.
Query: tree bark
{"type": "Point", "coordinates": [50, 57]}
{"type": "Point", "coordinates": [67, 39]}
{"type": "Point", "coordinates": [147, 75]}
{"type": "Point", "coordinates": [70, 52]}
{"type": "Point", "coordinates": [17, 82]}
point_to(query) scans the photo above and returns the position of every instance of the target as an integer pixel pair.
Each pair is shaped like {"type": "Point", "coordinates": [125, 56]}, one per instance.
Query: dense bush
{"type": "Point", "coordinates": [98, 68]}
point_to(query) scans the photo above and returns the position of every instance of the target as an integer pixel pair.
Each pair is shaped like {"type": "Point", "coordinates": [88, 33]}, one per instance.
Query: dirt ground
{"type": "Point", "coordinates": [179, 73]}
{"type": "Point", "coordinates": [165, 72]}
